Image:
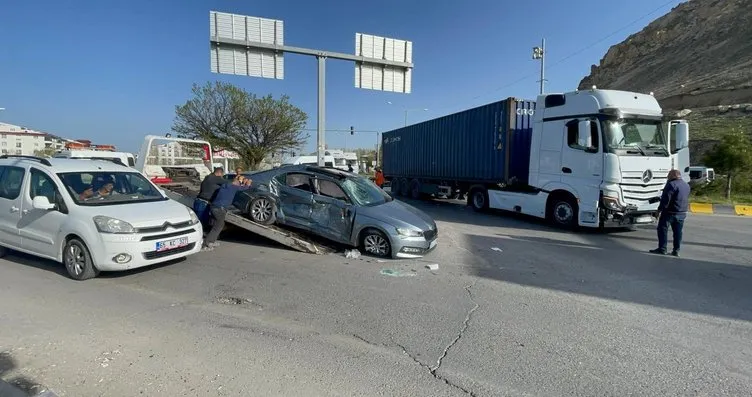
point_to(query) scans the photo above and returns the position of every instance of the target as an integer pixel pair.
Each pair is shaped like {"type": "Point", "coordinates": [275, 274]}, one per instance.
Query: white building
{"type": "Point", "coordinates": [20, 140]}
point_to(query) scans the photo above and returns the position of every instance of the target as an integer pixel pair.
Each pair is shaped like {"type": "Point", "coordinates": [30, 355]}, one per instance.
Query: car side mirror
{"type": "Point", "coordinates": [682, 136]}
{"type": "Point", "coordinates": [42, 203]}
{"type": "Point", "coordinates": [584, 137]}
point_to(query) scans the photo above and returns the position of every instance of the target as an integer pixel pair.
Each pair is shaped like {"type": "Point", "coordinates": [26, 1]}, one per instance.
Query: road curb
{"type": "Point", "coordinates": [720, 209]}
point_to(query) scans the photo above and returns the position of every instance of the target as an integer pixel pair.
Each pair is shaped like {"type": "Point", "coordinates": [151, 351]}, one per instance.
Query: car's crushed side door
{"type": "Point", "coordinates": [332, 213]}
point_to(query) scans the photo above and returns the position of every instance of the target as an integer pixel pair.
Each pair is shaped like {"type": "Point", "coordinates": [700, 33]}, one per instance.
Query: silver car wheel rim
{"type": "Point", "coordinates": [261, 210]}
{"type": "Point", "coordinates": [566, 209]}
{"type": "Point", "coordinates": [376, 244]}
{"type": "Point", "coordinates": [75, 260]}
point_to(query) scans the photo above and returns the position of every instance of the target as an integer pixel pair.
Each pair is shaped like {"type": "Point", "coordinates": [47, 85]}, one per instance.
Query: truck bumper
{"type": "Point", "coordinates": [627, 217]}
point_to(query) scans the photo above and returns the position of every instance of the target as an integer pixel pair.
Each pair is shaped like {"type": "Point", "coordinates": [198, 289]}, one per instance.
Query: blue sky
{"type": "Point", "coordinates": [112, 71]}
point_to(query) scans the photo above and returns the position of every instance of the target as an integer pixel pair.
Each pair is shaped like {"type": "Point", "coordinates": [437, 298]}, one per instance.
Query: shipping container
{"type": "Point", "coordinates": [487, 144]}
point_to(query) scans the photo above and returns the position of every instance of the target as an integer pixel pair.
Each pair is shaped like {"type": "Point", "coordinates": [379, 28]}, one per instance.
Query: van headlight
{"type": "Point", "coordinates": [105, 224]}
{"type": "Point", "coordinates": [194, 217]}
{"type": "Point", "coordinates": [409, 232]}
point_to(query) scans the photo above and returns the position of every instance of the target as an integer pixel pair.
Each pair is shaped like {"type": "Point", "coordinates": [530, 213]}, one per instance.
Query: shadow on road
{"type": "Point", "coordinates": [605, 268]}
{"type": "Point", "coordinates": [16, 386]}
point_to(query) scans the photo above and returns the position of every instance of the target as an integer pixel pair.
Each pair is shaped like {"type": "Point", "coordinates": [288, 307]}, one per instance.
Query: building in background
{"type": "Point", "coordinates": [24, 141]}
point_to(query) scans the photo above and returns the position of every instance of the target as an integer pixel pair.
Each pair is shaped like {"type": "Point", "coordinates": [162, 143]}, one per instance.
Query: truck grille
{"type": "Point", "coordinates": [638, 192]}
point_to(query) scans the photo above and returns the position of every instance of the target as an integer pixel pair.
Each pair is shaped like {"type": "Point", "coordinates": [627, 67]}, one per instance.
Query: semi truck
{"type": "Point", "coordinates": [589, 158]}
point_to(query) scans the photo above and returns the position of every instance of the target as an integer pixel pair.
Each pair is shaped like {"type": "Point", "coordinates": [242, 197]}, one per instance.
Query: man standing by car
{"type": "Point", "coordinates": [673, 211]}
{"type": "Point", "coordinates": [206, 193]}
{"type": "Point", "coordinates": [219, 207]}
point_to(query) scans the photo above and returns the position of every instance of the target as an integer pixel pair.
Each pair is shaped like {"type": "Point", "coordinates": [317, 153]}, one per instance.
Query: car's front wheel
{"type": "Point", "coordinates": [261, 210]}
{"type": "Point", "coordinates": [375, 243]}
{"type": "Point", "coordinates": [77, 260]}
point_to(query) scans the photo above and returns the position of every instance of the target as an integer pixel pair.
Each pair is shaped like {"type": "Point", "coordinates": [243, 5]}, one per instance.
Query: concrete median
{"type": "Point", "coordinates": [720, 209]}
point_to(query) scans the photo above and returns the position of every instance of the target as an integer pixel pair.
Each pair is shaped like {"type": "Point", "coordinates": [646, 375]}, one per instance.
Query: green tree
{"type": "Point", "coordinates": [731, 156]}
{"type": "Point", "coordinates": [231, 118]}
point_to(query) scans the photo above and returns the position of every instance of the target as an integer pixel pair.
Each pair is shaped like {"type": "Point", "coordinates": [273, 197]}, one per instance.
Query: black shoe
{"type": "Point", "coordinates": [658, 251]}
{"type": "Point", "coordinates": [675, 253]}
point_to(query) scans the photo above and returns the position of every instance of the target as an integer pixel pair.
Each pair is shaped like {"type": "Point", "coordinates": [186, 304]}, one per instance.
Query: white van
{"type": "Point", "coordinates": [299, 160]}
{"type": "Point", "coordinates": [91, 215]}
{"type": "Point", "coordinates": [701, 174]}
{"type": "Point", "coordinates": [126, 158]}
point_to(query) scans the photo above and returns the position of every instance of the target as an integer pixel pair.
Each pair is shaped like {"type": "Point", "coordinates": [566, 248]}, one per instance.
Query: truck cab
{"type": "Point", "coordinates": [602, 156]}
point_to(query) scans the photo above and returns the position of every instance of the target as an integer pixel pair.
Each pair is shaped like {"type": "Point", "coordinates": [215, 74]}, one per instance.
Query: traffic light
{"type": "Point", "coordinates": [352, 130]}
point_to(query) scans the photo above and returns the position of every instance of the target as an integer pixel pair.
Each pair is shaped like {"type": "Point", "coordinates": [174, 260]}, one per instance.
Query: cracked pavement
{"type": "Point", "coordinates": [546, 313]}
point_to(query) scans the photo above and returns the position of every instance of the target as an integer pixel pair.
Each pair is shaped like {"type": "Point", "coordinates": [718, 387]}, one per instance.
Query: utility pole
{"type": "Point", "coordinates": [539, 53]}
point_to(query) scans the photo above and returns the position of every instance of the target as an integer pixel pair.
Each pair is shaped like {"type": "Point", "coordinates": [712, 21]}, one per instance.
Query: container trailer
{"type": "Point", "coordinates": [590, 158]}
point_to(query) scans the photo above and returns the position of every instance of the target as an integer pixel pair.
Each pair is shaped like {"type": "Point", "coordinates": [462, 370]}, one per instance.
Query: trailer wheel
{"type": "Point", "coordinates": [404, 187]}
{"type": "Point", "coordinates": [562, 211]}
{"type": "Point", "coordinates": [478, 199]}
{"type": "Point", "coordinates": [261, 210]}
{"type": "Point", "coordinates": [395, 187]}
{"type": "Point", "coordinates": [415, 189]}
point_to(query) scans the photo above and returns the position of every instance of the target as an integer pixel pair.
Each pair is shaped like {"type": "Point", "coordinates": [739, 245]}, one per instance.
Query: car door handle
{"type": "Point", "coordinates": [14, 209]}
{"type": "Point", "coordinates": [566, 170]}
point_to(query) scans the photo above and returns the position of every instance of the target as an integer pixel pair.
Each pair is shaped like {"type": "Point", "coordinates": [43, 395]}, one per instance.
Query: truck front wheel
{"type": "Point", "coordinates": [562, 212]}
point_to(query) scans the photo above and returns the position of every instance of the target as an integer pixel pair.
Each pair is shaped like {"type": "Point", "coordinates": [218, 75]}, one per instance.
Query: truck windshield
{"type": "Point", "coordinates": [109, 188]}
{"type": "Point", "coordinates": [364, 192]}
{"type": "Point", "coordinates": [635, 136]}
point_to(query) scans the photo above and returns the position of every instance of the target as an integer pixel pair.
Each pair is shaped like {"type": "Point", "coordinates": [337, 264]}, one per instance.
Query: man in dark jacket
{"type": "Point", "coordinates": [206, 193]}
{"type": "Point", "coordinates": [673, 208]}
{"type": "Point", "coordinates": [219, 206]}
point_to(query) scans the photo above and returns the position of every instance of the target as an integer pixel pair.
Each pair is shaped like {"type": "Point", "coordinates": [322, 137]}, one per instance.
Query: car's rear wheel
{"type": "Point", "coordinates": [77, 260]}
{"type": "Point", "coordinates": [261, 210]}
{"type": "Point", "coordinates": [375, 243]}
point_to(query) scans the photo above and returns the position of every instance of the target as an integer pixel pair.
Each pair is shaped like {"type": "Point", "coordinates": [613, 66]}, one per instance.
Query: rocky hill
{"type": "Point", "coordinates": [697, 60]}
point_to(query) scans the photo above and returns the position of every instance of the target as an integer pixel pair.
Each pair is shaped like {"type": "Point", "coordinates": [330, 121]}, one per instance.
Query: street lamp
{"type": "Point", "coordinates": [410, 110]}
{"type": "Point", "coordinates": [539, 53]}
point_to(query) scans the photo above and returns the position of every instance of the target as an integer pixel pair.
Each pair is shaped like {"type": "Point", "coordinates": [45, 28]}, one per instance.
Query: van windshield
{"type": "Point", "coordinates": [109, 188]}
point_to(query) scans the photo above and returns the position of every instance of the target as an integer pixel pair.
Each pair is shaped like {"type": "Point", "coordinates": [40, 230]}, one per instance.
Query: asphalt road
{"type": "Point", "coordinates": [516, 308]}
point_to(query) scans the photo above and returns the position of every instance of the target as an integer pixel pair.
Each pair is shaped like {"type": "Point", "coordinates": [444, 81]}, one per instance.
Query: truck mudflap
{"type": "Point", "coordinates": [185, 195]}
{"type": "Point", "coordinates": [627, 217]}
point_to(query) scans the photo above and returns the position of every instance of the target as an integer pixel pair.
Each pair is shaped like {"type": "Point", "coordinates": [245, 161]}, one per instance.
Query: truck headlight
{"type": "Point", "coordinates": [194, 217]}
{"type": "Point", "coordinates": [409, 232]}
{"type": "Point", "coordinates": [105, 224]}
{"type": "Point", "coordinates": [611, 203]}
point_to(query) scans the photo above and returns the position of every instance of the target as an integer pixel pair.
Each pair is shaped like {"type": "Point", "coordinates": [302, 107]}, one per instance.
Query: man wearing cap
{"type": "Point", "coordinates": [673, 211]}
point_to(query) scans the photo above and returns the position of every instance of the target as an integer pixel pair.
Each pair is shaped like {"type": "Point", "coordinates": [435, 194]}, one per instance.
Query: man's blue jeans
{"type": "Point", "coordinates": [677, 225]}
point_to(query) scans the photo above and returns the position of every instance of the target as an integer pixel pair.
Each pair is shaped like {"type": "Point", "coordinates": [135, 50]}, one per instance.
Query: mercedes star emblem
{"type": "Point", "coordinates": [647, 176]}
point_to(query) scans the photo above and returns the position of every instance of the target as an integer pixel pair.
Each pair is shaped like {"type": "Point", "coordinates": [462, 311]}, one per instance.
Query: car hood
{"type": "Point", "coordinates": [144, 215]}
{"type": "Point", "coordinates": [399, 214]}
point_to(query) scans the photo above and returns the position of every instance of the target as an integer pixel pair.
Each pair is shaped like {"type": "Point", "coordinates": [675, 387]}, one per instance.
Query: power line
{"type": "Point", "coordinates": [560, 61]}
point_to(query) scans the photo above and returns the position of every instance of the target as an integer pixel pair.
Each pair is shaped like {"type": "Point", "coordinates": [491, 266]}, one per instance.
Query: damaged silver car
{"type": "Point", "coordinates": [339, 206]}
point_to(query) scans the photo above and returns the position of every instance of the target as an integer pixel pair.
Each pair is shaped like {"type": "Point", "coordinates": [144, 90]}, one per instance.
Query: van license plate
{"type": "Point", "coordinates": [172, 244]}
{"type": "Point", "coordinates": [644, 219]}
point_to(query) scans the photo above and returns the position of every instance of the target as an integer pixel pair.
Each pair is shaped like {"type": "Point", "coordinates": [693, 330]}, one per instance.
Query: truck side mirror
{"type": "Point", "coordinates": [584, 138]}
{"type": "Point", "coordinates": [682, 136]}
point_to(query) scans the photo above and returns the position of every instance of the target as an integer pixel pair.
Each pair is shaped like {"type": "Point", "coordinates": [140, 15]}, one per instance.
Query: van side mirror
{"type": "Point", "coordinates": [584, 138]}
{"type": "Point", "coordinates": [42, 203]}
{"type": "Point", "coordinates": [682, 136]}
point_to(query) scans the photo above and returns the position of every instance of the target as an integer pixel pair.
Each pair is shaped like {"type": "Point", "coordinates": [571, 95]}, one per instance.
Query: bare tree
{"type": "Point", "coordinates": [231, 118]}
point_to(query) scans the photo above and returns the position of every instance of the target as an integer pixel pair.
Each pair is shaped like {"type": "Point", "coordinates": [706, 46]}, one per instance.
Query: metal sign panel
{"type": "Point", "coordinates": [374, 76]}
{"type": "Point", "coordinates": [254, 62]}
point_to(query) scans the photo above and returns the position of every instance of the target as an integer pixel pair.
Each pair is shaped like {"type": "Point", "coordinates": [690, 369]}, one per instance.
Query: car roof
{"type": "Point", "coordinates": [68, 164]}
{"type": "Point", "coordinates": [328, 171]}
